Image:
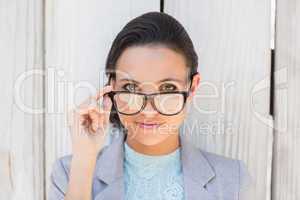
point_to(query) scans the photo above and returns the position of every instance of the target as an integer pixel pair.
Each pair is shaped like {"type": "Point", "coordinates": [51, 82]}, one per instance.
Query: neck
{"type": "Point", "coordinates": [167, 146]}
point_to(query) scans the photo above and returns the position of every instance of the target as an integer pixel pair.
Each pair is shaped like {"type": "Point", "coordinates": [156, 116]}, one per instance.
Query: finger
{"type": "Point", "coordinates": [95, 126]}
{"type": "Point", "coordinates": [96, 118]}
{"type": "Point", "coordinates": [89, 109]}
{"type": "Point", "coordinates": [96, 122]}
{"type": "Point", "coordinates": [91, 130]}
{"type": "Point", "coordinates": [86, 122]}
{"type": "Point", "coordinates": [95, 114]}
{"type": "Point", "coordinates": [91, 117]}
{"type": "Point", "coordinates": [93, 100]}
{"type": "Point", "coordinates": [106, 89]}
{"type": "Point", "coordinates": [107, 108]}
{"type": "Point", "coordinates": [99, 124]}
{"type": "Point", "coordinates": [106, 104]}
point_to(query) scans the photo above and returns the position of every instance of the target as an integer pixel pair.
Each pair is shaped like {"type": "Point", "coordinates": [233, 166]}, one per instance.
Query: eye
{"type": "Point", "coordinates": [168, 87]}
{"type": "Point", "coordinates": [129, 87]}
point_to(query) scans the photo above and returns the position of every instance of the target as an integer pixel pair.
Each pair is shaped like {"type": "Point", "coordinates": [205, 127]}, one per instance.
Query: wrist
{"type": "Point", "coordinates": [83, 163]}
{"type": "Point", "coordinates": [85, 153]}
{"type": "Point", "coordinates": [84, 156]}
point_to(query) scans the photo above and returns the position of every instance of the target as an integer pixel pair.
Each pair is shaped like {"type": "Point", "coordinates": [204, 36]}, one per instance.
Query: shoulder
{"type": "Point", "coordinates": [62, 164]}
{"type": "Point", "coordinates": [223, 164]}
{"type": "Point", "coordinates": [230, 172]}
{"type": "Point", "coordinates": [59, 176]}
{"type": "Point", "coordinates": [61, 169]}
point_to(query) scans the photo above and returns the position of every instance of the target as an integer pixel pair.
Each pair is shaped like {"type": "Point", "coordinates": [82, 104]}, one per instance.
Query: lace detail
{"type": "Point", "coordinates": [152, 177]}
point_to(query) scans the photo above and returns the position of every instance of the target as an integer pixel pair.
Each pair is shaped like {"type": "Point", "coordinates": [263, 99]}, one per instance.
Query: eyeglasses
{"type": "Point", "coordinates": [165, 103]}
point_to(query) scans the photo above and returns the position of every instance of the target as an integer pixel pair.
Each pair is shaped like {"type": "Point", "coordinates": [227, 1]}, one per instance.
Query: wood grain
{"type": "Point", "coordinates": [53, 54]}
{"type": "Point", "coordinates": [78, 37]}
{"type": "Point", "coordinates": [21, 127]}
{"type": "Point", "coordinates": [286, 167]}
{"type": "Point", "coordinates": [230, 114]}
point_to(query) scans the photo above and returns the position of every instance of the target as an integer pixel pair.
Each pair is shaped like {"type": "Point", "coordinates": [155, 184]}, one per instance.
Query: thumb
{"type": "Point", "coordinates": [107, 104]}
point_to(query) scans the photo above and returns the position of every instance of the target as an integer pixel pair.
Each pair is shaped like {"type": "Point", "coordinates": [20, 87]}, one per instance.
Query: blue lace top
{"type": "Point", "coordinates": [152, 177]}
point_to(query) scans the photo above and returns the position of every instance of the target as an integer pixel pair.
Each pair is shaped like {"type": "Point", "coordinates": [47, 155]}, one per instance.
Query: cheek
{"type": "Point", "coordinates": [126, 120]}
{"type": "Point", "coordinates": [172, 122]}
{"type": "Point", "coordinates": [176, 120]}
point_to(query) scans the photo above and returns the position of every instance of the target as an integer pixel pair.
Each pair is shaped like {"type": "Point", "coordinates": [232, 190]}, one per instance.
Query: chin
{"type": "Point", "coordinates": [149, 142]}
{"type": "Point", "coordinates": [149, 138]}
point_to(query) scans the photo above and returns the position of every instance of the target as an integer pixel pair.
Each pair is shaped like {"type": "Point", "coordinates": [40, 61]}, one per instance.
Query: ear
{"type": "Point", "coordinates": [195, 85]}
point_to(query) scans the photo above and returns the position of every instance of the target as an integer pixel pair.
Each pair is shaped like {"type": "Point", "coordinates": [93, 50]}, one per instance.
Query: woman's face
{"type": "Point", "coordinates": [152, 69]}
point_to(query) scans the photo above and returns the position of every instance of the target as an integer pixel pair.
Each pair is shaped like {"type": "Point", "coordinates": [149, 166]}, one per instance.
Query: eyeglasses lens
{"type": "Point", "coordinates": [130, 103]}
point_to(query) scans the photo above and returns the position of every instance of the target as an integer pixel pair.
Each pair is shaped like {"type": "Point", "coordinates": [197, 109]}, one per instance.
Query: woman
{"type": "Point", "coordinates": [152, 71]}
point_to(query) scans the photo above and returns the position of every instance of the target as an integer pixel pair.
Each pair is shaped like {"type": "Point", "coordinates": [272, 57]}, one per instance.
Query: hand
{"type": "Point", "coordinates": [88, 124]}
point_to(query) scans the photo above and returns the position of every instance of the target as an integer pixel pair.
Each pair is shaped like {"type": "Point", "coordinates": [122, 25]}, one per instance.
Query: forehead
{"type": "Point", "coordinates": [150, 64]}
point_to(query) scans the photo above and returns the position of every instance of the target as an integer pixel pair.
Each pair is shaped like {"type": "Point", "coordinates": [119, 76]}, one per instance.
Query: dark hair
{"type": "Point", "coordinates": [152, 28]}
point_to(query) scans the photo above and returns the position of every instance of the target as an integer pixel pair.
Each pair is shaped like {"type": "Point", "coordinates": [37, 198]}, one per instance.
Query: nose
{"type": "Point", "coordinates": [149, 110]}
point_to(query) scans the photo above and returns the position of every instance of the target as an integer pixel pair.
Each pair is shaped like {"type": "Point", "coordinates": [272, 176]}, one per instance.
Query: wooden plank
{"type": "Point", "coordinates": [230, 115]}
{"type": "Point", "coordinates": [286, 175]}
{"type": "Point", "coordinates": [78, 37]}
{"type": "Point", "coordinates": [21, 129]}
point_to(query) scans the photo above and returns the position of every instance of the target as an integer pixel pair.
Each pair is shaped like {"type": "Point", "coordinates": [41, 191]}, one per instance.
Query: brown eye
{"type": "Point", "coordinates": [129, 87]}
{"type": "Point", "coordinates": [168, 87]}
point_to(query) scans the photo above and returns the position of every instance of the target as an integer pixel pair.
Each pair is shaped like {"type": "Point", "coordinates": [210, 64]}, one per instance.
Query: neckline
{"type": "Point", "coordinates": [147, 166]}
{"type": "Point", "coordinates": [131, 151]}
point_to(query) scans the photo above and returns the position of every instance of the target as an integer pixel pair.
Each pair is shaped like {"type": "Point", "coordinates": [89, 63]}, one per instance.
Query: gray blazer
{"type": "Point", "coordinates": [207, 176]}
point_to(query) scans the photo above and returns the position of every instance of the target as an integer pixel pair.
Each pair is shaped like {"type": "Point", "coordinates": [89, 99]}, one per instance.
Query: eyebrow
{"type": "Point", "coordinates": [163, 80]}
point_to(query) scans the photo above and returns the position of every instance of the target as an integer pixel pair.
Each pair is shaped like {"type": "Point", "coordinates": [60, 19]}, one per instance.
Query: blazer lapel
{"type": "Point", "coordinates": [197, 172]}
{"type": "Point", "coordinates": [110, 170]}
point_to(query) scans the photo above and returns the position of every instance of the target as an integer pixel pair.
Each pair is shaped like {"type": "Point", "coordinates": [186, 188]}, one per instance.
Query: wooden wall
{"type": "Point", "coordinates": [233, 43]}
{"type": "Point", "coordinates": [53, 54]}
{"type": "Point", "coordinates": [21, 130]}
{"type": "Point", "coordinates": [78, 38]}
{"type": "Point", "coordinates": [286, 165]}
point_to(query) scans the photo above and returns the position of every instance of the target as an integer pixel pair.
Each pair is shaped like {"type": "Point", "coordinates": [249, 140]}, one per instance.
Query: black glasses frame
{"type": "Point", "coordinates": [151, 96]}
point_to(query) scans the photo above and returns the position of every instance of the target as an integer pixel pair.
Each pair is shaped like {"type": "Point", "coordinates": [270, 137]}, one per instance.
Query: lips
{"type": "Point", "coordinates": [148, 125]}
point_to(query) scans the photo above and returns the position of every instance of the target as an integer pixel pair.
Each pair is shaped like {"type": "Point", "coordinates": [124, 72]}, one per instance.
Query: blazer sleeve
{"type": "Point", "coordinates": [58, 181]}
{"type": "Point", "coordinates": [246, 183]}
